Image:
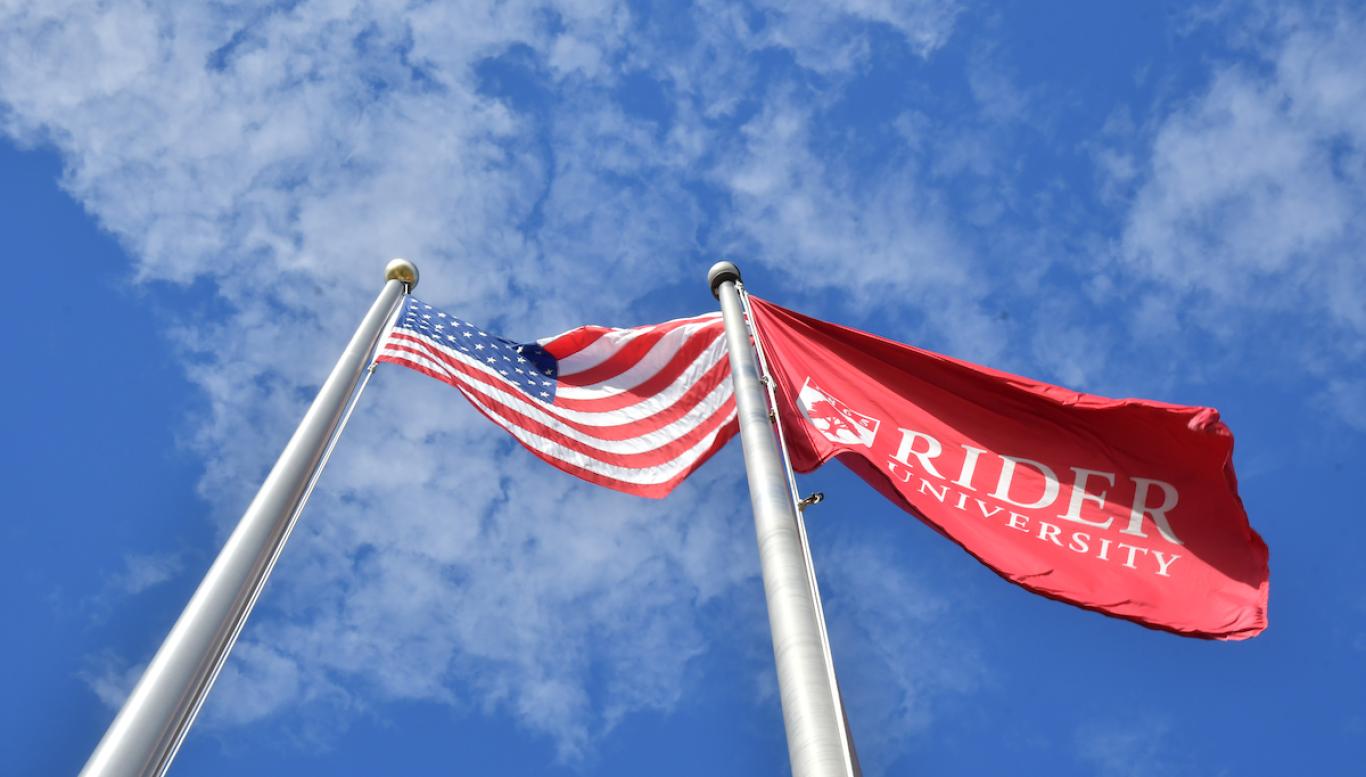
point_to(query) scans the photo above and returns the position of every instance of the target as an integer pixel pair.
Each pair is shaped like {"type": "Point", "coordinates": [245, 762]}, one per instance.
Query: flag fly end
{"type": "Point", "coordinates": [401, 270]}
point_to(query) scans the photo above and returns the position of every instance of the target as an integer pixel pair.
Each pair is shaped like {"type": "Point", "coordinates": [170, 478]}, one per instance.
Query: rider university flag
{"type": "Point", "coordinates": [1124, 506]}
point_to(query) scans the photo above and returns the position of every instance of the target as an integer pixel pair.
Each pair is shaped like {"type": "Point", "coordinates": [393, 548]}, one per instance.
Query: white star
{"type": "Point", "coordinates": [467, 333]}
{"type": "Point", "coordinates": [479, 346]}
{"type": "Point", "coordinates": [544, 394]}
{"type": "Point", "coordinates": [490, 360]}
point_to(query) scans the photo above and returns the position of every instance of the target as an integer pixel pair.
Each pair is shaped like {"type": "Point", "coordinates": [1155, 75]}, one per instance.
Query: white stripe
{"type": "Point", "coordinates": [643, 443]}
{"type": "Point", "coordinates": [648, 367]}
{"type": "Point", "coordinates": [548, 340]}
{"type": "Point", "coordinates": [640, 410]}
{"type": "Point", "coordinates": [604, 347]}
{"type": "Point", "coordinates": [644, 476]}
{"type": "Point", "coordinates": [666, 347]}
{"type": "Point", "coordinates": [600, 350]}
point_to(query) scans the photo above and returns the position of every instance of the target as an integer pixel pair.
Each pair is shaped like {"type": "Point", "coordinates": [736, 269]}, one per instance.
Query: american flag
{"type": "Point", "coordinates": [635, 410]}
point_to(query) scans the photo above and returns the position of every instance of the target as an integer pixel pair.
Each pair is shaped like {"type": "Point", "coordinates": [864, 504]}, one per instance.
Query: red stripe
{"type": "Point", "coordinates": [664, 454]}
{"type": "Point", "coordinates": [505, 416]}
{"type": "Point", "coordinates": [648, 490]}
{"type": "Point", "coordinates": [713, 377]}
{"type": "Point", "coordinates": [661, 380]}
{"type": "Point", "coordinates": [574, 340]}
{"type": "Point", "coordinates": [624, 358]}
{"type": "Point", "coordinates": [635, 428]}
{"type": "Point", "coordinates": [615, 431]}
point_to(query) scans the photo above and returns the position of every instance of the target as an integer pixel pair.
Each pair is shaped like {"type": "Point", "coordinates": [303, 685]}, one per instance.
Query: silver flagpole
{"type": "Point", "coordinates": [149, 728]}
{"type": "Point", "coordinates": [817, 745]}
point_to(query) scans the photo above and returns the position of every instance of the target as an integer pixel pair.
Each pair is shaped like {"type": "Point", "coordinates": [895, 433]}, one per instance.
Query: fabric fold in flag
{"type": "Point", "coordinates": [1124, 506]}
{"type": "Point", "coordinates": [636, 410]}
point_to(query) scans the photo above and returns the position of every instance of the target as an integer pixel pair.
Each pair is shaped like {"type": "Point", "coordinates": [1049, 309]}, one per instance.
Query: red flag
{"type": "Point", "coordinates": [1124, 506]}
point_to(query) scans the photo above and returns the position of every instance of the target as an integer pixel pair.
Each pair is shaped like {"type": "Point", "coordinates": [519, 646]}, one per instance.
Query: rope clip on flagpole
{"type": "Point", "coordinates": [148, 730]}
{"type": "Point", "coordinates": [818, 741]}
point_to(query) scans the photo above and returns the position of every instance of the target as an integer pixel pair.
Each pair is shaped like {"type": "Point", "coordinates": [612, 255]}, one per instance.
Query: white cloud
{"type": "Point", "coordinates": [829, 36]}
{"type": "Point", "coordinates": [895, 648]}
{"type": "Point", "coordinates": [1250, 197]}
{"type": "Point", "coordinates": [143, 571]}
{"type": "Point", "coordinates": [279, 155]}
{"type": "Point", "coordinates": [140, 572]}
{"type": "Point", "coordinates": [111, 678]}
{"type": "Point", "coordinates": [1137, 748]}
{"type": "Point", "coordinates": [885, 243]}
{"type": "Point", "coordinates": [498, 589]}
{"type": "Point", "coordinates": [1346, 399]}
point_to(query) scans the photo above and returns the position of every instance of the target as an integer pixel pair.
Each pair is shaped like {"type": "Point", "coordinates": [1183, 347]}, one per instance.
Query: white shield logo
{"type": "Point", "coordinates": [834, 419]}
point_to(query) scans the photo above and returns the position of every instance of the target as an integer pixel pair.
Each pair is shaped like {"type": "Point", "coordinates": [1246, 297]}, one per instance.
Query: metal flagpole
{"type": "Point", "coordinates": [149, 728]}
{"type": "Point", "coordinates": [817, 741]}
{"type": "Point", "coordinates": [799, 506]}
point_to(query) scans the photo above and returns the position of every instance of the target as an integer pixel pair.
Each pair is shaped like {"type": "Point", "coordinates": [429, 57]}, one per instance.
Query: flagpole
{"type": "Point", "coordinates": [149, 728]}
{"type": "Point", "coordinates": [817, 744]}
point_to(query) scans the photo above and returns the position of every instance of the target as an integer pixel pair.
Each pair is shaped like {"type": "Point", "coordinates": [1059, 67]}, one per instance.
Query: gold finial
{"type": "Point", "coordinates": [401, 270]}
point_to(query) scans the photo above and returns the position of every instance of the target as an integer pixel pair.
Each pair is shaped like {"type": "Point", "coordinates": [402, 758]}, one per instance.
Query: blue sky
{"type": "Point", "coordinates": [196, 201]}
